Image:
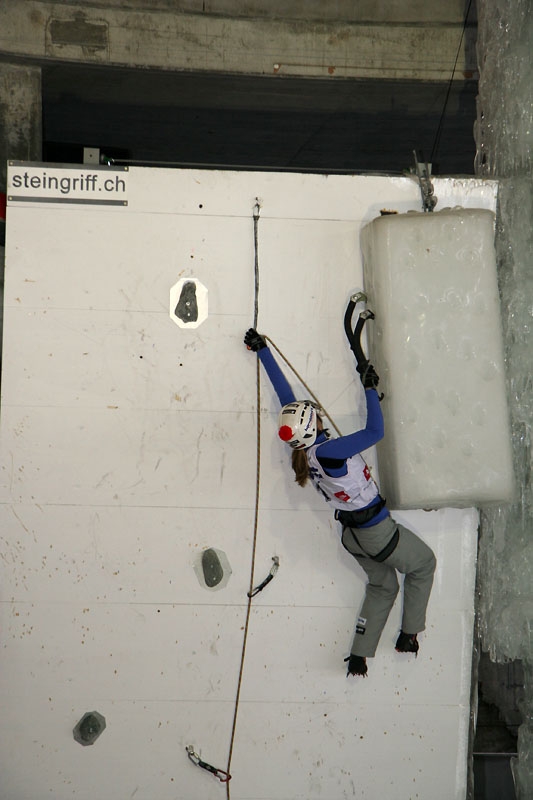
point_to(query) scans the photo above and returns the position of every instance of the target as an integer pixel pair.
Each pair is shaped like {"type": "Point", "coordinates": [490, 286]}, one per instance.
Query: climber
{"type": "Point", "coordinates": [379, 544]}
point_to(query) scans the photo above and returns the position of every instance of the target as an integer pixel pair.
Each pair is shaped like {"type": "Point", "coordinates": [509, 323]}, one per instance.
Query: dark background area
{"type": "Point", "coordinates": [278, 123]}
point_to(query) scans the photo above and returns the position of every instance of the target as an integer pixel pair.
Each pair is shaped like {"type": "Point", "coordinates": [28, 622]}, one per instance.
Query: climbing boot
{"type": "Point", "coordinates": [356, 665]}
{"type": "Point", "coordinates": [407, 643]}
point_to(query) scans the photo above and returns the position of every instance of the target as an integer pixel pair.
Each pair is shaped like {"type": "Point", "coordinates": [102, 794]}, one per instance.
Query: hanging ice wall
{"type": "Point", "coordinates": [437, 343]}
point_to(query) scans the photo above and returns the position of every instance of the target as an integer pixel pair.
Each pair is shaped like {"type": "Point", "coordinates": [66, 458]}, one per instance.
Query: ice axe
{"type": "Point", "coordinates": [354, 334]}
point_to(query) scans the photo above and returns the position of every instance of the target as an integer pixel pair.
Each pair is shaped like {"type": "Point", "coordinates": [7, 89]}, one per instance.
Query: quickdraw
{"type": "Point", "coordinates": [221, 774]}
{"type": "Point", "coordinates": [268, 578]}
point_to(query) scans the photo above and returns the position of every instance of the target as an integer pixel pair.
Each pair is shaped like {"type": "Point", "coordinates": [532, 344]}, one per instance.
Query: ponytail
{"type": "Point", "coordinates": [300, 466]}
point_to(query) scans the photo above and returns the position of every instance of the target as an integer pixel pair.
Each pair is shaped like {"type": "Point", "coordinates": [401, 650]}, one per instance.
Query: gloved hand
{"type": "Point", "coordinates": [356, 666]}
{"type": "Point", "coordinates": [369, 376]}
{"type": "Point", "coordinates": [253, 340]}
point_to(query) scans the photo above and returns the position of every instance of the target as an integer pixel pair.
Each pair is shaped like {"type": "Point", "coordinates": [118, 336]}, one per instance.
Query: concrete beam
{"type": "Point", "coordinates": [20, 115]}
{"type": "Point", "coordinates": [335, 11]}
{"type": "Point", "coordinates": [177, 40]}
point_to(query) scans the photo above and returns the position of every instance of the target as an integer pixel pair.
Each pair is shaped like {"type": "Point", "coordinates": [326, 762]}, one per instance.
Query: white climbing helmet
{"type": "Point", "coordinates": [297, 424]}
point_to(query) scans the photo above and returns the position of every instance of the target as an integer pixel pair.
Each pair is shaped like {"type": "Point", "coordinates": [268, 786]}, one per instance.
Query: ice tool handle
{"type": "Point", "coordinates": [354, 334]}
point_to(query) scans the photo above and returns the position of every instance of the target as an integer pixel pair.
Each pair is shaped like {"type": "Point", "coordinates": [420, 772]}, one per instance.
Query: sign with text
{"type": "Point", "coordinates": [79, 184]}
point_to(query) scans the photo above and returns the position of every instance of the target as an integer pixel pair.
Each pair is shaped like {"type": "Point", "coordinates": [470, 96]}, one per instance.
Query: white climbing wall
{"type": "Point", "coordinates": [128, 447]}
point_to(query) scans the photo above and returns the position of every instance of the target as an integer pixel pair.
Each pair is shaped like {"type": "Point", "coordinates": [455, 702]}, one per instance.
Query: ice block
{"type": "Point", "coordinates": [436, 342]}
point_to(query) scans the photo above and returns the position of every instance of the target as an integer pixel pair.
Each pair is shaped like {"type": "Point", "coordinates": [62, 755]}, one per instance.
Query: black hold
{"type": "Point", "coordinates": [89, 728]}
{"type": "Point", "coordinates": [187, 307]}
{"type": "Point", "coordinates": [212, 568]}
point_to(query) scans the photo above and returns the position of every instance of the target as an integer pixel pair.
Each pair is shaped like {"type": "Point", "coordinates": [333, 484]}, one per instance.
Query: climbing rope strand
{"type": "Point", "coordinates": [256, 510]}
{"type": "Point", "coordinates": [257, 208]}
{"type": "Point", "coordinates": [436, 143]}
{"type": "Point", "coordinates": [257, 484]}
{"type": "Point", "coordinates": [252, 569]}
{"type": "Point", "coordinates": [306, 387]}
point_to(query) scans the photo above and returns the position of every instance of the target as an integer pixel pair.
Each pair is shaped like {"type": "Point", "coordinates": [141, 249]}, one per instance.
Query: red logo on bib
{"type": "Point", "coordinates": [342, 496]}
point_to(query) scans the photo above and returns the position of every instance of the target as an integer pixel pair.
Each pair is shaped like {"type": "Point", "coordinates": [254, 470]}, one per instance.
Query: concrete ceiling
{"type": "Point", "coordinates": [354, 125]}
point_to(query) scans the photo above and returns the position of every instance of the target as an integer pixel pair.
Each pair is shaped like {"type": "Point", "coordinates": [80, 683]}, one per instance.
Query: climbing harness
{"type": "Point", "coordinates": [358, 518]}
{"type": "Point", "coordinates": [387, 551]}
{"type": "Point", "coordinates": [268, 578]}
{"type": "Point", "coordinates": [222, 775]}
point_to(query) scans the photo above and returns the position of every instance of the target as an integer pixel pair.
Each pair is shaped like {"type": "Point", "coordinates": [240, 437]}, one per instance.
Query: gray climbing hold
{"type": "Point", "coordinates": [212, 568]}
{"type": "Point", "coordinates": [187, 306]}
{"type": "Point", "coordinates": [89, 728]}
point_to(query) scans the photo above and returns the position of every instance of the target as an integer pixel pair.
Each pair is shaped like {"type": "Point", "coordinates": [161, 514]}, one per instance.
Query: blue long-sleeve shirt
{"type": "Point", "coordinates": [333, 453]}
{"type": "Point", "coordinates": [344, 446]}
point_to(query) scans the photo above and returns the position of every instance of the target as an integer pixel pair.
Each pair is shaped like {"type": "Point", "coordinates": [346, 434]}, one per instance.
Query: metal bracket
{"type": "Point", "coordinates": [423, 173]}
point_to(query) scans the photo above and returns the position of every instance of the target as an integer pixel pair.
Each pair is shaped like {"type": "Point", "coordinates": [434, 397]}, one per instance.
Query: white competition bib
{"type": "Point", "coordinates": [347, 492]}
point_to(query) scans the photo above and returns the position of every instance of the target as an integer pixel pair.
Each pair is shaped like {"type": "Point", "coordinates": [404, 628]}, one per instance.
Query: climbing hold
{"type": "Point", "coordinates": [188, 303]}
{"type": "Point", "coordinates": [213, 571]}
{"type": "Point", "coordinates": [89, 728]}
{"type": "Point", "coordinates": [187, 306]}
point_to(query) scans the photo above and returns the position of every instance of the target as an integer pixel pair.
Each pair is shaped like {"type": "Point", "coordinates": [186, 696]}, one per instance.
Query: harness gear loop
{"type": "Point", "coordinates": [222, 776]}
{"type": "Point", "coordinates": [268, 578]}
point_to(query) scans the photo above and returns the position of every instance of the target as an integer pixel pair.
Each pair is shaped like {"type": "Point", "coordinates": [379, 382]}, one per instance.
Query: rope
{"type": "Point", "coordinates": [256, 510]}
{"type": "Point", "coordinates": [249, 604]}
{"type": "Point", "coordinates": [306, 387]}
{"type": "Point", "coordinates": [256, 214]}
{"type": "Point", "coordinates": [257, 208]}
{"type": "Point", "coordinates": [441, 121]}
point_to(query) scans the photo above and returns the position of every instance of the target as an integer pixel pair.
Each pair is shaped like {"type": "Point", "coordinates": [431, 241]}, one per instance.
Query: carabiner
{"type": "Point", "coordinates": [222, 776]}
{"type": "Point", "coordinates": [268, 578]}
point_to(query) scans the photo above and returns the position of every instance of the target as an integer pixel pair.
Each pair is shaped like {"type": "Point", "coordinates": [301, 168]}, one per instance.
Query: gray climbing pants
{"type": "Point", "coordinates": [412, 557]}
